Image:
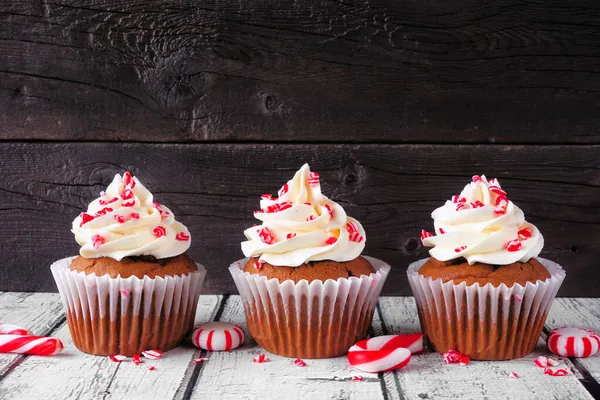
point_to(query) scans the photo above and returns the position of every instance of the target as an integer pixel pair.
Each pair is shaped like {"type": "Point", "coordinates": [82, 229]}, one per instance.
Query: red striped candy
{"type": "Point", "coordinates": [266, 235]}
{"type": "Point", "coordinates": [329, 211]}
{"type": "Point", "coordinates": [152, 354]}
{"type": "Point", "coordinates": [26, 344]}
{"type": "Point", "coordinates": [10, 329]}
{"type": "Point", "coordinates": [385, 353]}
{"type": "Point", "coordinates": [425, 234]}
{"type": "Point", "coordinates": [217, 336]}
{"type": "Point", "coordinates": [573, 342]}
{"type": "Point", "coordinates": [313, 179]}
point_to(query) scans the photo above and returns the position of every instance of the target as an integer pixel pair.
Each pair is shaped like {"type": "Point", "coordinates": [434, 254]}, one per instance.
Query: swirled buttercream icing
{"type": "Point", "coordinates": [126, 221]}
{"type": "Point", "coordinates": [482, 225]}
{"type": "Point", "coordinates": [303, 225]}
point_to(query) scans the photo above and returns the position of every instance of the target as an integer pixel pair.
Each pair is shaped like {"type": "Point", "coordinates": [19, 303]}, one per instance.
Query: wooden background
{"type": "Point", "coordinates": [396, 103]}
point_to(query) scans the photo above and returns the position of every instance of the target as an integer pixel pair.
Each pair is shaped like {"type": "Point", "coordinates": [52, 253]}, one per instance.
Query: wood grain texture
{"type": "Point", "coordinates": [317, 70]}
{"type": "Point", "coordinates": [213, 189]}
{"type": "Point", "coordinates": [233, 374]}
{"type": "Point", "coordinates": [583, 313]}
{"type": "Point", "coordinates": [427, 377]}
{"type": "Point", "coordinates": [38, 312]}
{"type": "Point", "coordinates": [75, 375]}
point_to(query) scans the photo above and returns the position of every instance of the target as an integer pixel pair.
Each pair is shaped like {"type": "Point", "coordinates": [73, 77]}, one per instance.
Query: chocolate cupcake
{"type": "Point", "coordinates": [132, 288]}
{"type": "Point", "coordinates": [307, 290]}
{"type": "Point", "coordinates": [484, 291]}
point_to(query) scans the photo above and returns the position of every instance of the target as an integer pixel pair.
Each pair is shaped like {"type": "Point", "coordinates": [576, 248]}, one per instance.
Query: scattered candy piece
{"type": "Point", "coordinates": [513, 245]}
{"type": "Point", "coordinates": [465, 360]}
{"type": "Point", "coordinates": [127, 179]}
{"type": "Point", "coordinates": [459, 249]}
{"type": "Point", "coordinates": [477, 179]}
{"type": "Point", "coordinates": [291, 235]}
{"type": "Point", "coordinates": [356, 237]}
{"type": "Point", "coordinates": [127, 194]}
{"type": "Point", "coordinates": [543, 362]}
{"type": "Point", "coordinates": [458, 199]}
{"type": "Point", "coordinates": [267, 196]}
{"type": "Point", "coordinates": [266, 236]}
{"type": "Point", "coordinates": [10, 329]}
{"type": "Point", "coordinates": [460, 206]}
{"type": "Point", "coordinates": [385, 353]}
{"type": "Point", "coordinates": [98, 241]}
{"type": "Point", "coordinates": [310, 218]}
{"type": "Point", "coordinates": [217, 336]}
{"type": "Point", "coordinates": [85, 218]}
{"type": "Point", "coordinates": [152, 354]}
{"type": "Point", "coordinates": [27, 344]}
{"type": "Point", "coordinates": [518, 298]}
{"type": "Point", "coordinates": [117, 358]}
{"type": "Point", "coordinates": [477, 204]}
{"type": "Point", "coordinates": [357, 378]}
{"type": "Point", "coordinates": [135, 216]}
{"type": "Point", "coordinates": [513, 375]}
{"type": "Point", "coordinates": [103, 211]}
{"type": "Point", "coordinates": [119, 218]}
{"type": "Point", "coordinates": [128, 203]}
{"type": "Point", "coordinates": [573, 342]}
{"type": "Point", "coordinates": [558, 372]}
{"type": "Point", "coordinates": [261, 358]}
{"type": "Point", "coordinates": [151, 368]}
{"type": "Point", "coordinates": [284, 189]}
{"type": "Point", "coordinates": [329, 211]}
{"type": "Point", "coordinates": [137, 359]}
{"type": "Point", "coordinates": [197, 360]}
{"type": "Point", "coordinates": [105, 202]}
{"type": "Point", "coordinates": [313, 179]}
{"type": "Point", "coordinates": [524, 234]}
{"type": "Point", "coordinates": [258, 264]}
{"type": "Point", "coordinates": [452, 357]}
{"type": "Point", "coordinates": [442, 231]}
{"type": "Point", "coordinates": [299, 362]}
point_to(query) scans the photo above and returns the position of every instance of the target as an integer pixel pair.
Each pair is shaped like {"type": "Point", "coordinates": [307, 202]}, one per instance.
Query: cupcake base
{"type": "Point", "coordinates": [127, 315]}
{"type": "Point", "coordinates": [484, 322]}
{"type": "Point", "coordinates": [316, 320]}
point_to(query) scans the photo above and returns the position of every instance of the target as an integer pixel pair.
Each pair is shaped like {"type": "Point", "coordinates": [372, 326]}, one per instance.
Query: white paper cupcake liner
{"type": "Point", "coordinates": [309, 320]}
{"type": "Point", "coordinates": [484, 322]}
{"type": "Point", "coordinates": [127, 315]}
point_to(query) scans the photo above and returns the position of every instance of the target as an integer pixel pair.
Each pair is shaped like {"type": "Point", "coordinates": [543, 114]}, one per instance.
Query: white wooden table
{"type": "Point", "coordinates": [233, 375]}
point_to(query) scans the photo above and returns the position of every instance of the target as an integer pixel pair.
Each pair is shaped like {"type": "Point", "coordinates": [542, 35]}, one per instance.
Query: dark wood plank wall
{"type": "Point", "coordinates": [396, 103]}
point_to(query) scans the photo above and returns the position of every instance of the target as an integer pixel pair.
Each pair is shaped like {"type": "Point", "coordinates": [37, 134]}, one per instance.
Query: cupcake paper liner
{"type": "Point", "coordinates": [309, 320]}
{"type": "Point", "coordinates": [127, 315]}
{"type": "Point", "coordinates": [484, 322]}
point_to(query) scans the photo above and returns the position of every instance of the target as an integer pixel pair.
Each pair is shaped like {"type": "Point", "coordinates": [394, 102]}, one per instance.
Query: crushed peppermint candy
{"type": "Point", "coordinates": [458, 199]}
{"type": "Point", "coordinates": [103, 211]}
{"type": "Point", "coordinates": [261, 358]}
{"type": "Point", "coordinates": [459, 249]}
{"type": "Point", "coordinates": [117, 358]}
{"type": "Point", "coordinates": [105, 202]}
{"type": "Point", "coordinates": [299, 362]}
{"type": "Point", "coordinates": [151, 368]}
{"type": "Point", "coordinates": [137, 359]}
{"type": "Point", "coordinates": [425, 234]}
{"type": "Point", "coordinates": [119, 218]}
{"type": "Point", "coordinates": [85, 218]}
{"type": "Point", "coordinates": [455, 357]}
{"type": "Point", "coordinates": [464, 360]}
{"type": "Point", "coordinates": [356, 237]}
{"type": "Point", "coordinates": [313, 179]}
{"type": "Point", "coordinates": [460, 206]}
{"type": "Point", "coordinates": [128, 203]}
{"type": "Point", "coordinates": [442, 231]}
{"type": "Point", "coordinates": [543, 362]}
{"type": "Point", "coordinates": [496, 190]}
{"type": "Point", "coordinates": [477, 204]}
{"type": "Point", "coordinates": [159, 231]}
{"type": "Point", "coordinates": [477, 179]}
{"type": "Point", "coordinates": [518, 298]}
{"type": "Point", "coordinates": [267, 196]}
{"type": "Point", "coordinates": [351, 228]}
{"type": "Point", "coordinates": [329, 211]}
{"type": "Point", "coordinates": [135, 216]}
{"type": "Point", "coordinates": [357, 378]}
{"type": "Point", "coordinates": [501, 205]}
{"type": "Point", "coordinates": [128, 180]}
{"type": "Point", "coordinates": [202, 359]}
{"type": "Point", "coordinates": [152, 354]}
{"type": "Point", "coordinates": [266, 235]}
{"type": "Point", "coordinates": [310, 218]}
{"type": "Point", "coordinates": [513, 245]}
{"type": "Point", "coordinates": [513, 375]}
{"type": "Point", "coordinates": [182, 237]}
{"type": "Point", "coordinates": [524, 233]}
{"type": "Point", "coordinates": [277, 207]}
{"type": "Point", "coordinates": [258, 264]}
{"type": "Point", "coordinates": [284, 189]}
{"type": "Point", "coordinates": [98, 241]}
{"type": "Point", "coordinates": [331, 240]}
{"type": "Point", "coordinates": [290, 235]}
{"type": "Point", "coordinates": [558, 372]}
{"type": "Point", "coordinates": [127, 194]}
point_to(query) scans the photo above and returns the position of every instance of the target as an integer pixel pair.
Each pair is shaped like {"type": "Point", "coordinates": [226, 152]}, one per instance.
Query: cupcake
{"type": "Point", "coordinates": [132, 288]}
{"type": "Point", "coordinates": [484, 291]}
{"type": "Point", "coordinates": [306, 289]}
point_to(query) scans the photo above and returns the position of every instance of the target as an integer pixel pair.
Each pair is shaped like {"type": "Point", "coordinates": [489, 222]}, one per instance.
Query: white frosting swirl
{"type": "Point", "coordinates": [303, 225]}
{"type": "Point", "coordinates": [125, 221]}
{"type": "Point", "coordinates": [482, 225]}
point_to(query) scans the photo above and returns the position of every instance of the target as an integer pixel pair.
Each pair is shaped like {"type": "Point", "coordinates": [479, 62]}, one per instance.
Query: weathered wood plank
{"type": "Point", "coordinates": [579, 312]}
{"type": "Point", "coordinates": [76, 375]}
{"type": "Point", "coordinates": [38, 312]}
{"type": "Point", "coordinates": [441, 71]}
{"type": "Point", "coordinates": [233, 375]}
{"type": "Point", "coordinates": [427, 377]}
{"type": "Point", "coordinates": [213, 189]}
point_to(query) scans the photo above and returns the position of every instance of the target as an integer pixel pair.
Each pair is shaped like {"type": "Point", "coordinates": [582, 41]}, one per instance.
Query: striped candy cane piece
{"type": "Point", "coordinates": [573, 342]}
{"type": "Point", "coordinates": [10, 329]}
{"type": "Point", "coordinates": [217, 336]}
{"type": "Point", "coordinates": [25, 344]}
{"type": "Point", "coordinates": [385, 353]}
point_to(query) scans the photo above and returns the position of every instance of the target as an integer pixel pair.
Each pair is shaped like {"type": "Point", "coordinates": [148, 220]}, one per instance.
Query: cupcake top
{"type": "Point", "coordinates": [482, 225]}
{"type": "Point", "coordinates": [303, 225]}
{"type": "Point", "coordinates": [125, 221]}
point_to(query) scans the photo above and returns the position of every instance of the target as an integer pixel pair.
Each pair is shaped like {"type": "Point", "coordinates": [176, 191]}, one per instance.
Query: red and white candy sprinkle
{"type": "Point", "coordinates": [10, 329]}
{"type": "Point", "coordinates": [152, 354]}
{"type": "Point", "coordinates": [357, 378]}
{"type": "Point", "coordinates": [477, 204]}
{"type": "Point", "coordinates": [117, 358]}
{"type": "Point", "coordinates": [356, 237]}
{"type": "Point", "coordinates": [127, 194]}
{"type": "Point", "coordinates": [135, 216]}
{"type": "Point", "coordinates": [513, 375]}
{"type": "Point", "coordinates": [459, 249]}
{"type": "Point", "coordinates": [267, 196]}
{"type": "Point", "coordinates": [159, 231]}
{"type": "Point", "coordinates": [331, 240]}
{"type": "Point", "coordinates": [477, 179]}
{"type": "Point", "coordinates": [524, 233]}
{"type": "Point", "coordinates": [98, 241]}
{"type": "Point", "coordinates": [202, 359]}
{"type": "Point", "coordinates": [119, 218]}
{"type": "Point", "coordinates": [266, 236]}
{"type": "Point", "coordinates": [329, 211]}
{"type": "Point", "coordinates": [299, 362]}
{"type": "Point", "coordinates": [385, 353]}
{"type": "Point", "coordinates": [460, 206]}
{"type": "Point", "coordinates": [558, 372]}
{"type": "Point", "coordinates": [573, 342]}
{"type": "Point", "coordinates": [310, 218]}
{"type": "Point", "coordinates": [151, 368]}
{"type": "Point", "coordinates": [105, 202]}
{"type": "Point", "coordinates": [137, 359]}
{"type": "Point", "coordinates": [128, 203]}
{"type": "Point", "coordinates": [425, 234]}
{"type": "Point", "coordinates": [182, 237]}
{"type": "Point", "coordinates": [27, 344]}
{"type": "Point", "coordinates": [543, 362]}
{"type": "Point", "coordinates": [261, 358]}
{"type": "Point", "coordinates": [103, 211]}
{"type": "Point", "coordinates": [284, 189]}
{"type": "Point", "coordinates": [290, 235]}
{"type": "Point", "coordinates": [258, 264]}
{"type": "Point", "coordinates": [453, 357]}
{"type": "Point", "coordinates": [313, 179]}
{"type": "Point", "coordinates": [85, 218]}
{"type": "Point", "coordinates": [457, 199]}
{"type": "Point", "coordinates": [513, 245]}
